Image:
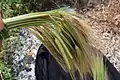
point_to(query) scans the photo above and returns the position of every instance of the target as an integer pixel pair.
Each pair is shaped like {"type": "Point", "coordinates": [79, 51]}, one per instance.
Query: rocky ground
{"type": "Point", "coordinates": [22, 54]}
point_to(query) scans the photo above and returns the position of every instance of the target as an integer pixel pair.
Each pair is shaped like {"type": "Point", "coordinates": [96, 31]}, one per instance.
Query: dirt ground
{"type": "Point", "coordinates": [105, 23]}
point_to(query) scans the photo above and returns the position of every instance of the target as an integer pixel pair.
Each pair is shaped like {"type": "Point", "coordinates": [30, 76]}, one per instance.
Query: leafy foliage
{"type": "Point", "coordinates": [14, 7]}
{"type": "Point", "coordinates": [10, 8]}
{"type": "Point", "coordinates": [6, 71]}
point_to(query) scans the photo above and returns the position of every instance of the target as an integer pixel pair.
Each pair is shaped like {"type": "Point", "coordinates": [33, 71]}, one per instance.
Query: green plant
{"type": "Point", "coordinates": [6, 71]}
{"type": "Point", "coordinates": [66, 36]}
{"type": "Point", "coordinates": [14, 7]}
{"type": "Point", "coordinates": [11, 8]}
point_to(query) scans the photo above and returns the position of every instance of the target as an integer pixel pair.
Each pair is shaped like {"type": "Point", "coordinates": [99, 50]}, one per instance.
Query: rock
{"type": "Point", "coordinates": [23, 52]}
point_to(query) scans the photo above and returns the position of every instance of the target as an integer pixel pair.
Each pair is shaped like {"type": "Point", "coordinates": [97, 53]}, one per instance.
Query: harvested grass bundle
{"type": "Point", "coordinates": [68, 39]}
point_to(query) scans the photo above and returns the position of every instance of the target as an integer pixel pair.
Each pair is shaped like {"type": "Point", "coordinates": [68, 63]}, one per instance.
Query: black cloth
{"type": "Point", "coordinates": [47, 68]}
{"type": "Point", "coordinates": [113, 74]}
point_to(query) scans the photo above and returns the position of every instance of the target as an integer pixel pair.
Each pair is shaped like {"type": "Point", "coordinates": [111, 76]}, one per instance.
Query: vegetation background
{"type": "Point", "coordinates": [11, 8]}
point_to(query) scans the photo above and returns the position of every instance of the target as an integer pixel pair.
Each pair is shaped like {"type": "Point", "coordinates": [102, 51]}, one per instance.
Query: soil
{"type": "Point", "coordinates": [105, 23]}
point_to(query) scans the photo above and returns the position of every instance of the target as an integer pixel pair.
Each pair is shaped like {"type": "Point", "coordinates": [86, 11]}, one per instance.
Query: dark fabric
{"type": "Point", "coordinates": [113, 74]}
{"type": "Point", "coordinates": [47, 68]}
